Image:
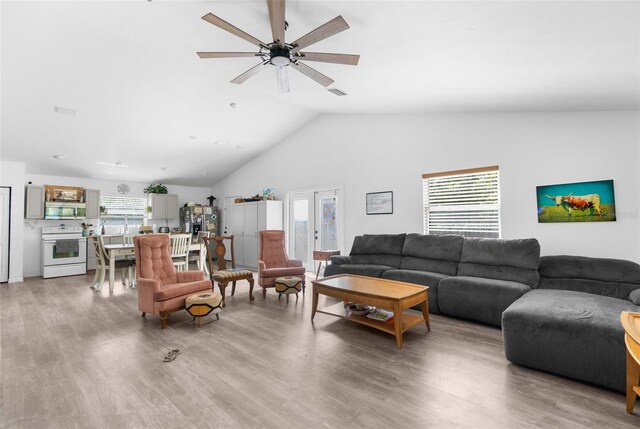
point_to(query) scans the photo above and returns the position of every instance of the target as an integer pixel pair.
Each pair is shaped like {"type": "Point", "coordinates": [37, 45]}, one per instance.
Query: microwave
{"type": "Point", "coordinates": [57, 210]}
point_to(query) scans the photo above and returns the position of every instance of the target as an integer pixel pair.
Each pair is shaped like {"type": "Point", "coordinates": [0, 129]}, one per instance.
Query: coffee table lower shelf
{"type": "Point", "coordinates": [408, 320]}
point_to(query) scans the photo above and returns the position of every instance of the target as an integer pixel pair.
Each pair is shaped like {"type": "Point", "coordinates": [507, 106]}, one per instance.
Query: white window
{"type": "Point", "coordinates": [462, 202]}
{"type": "Point", "coordinates": [122, 212]}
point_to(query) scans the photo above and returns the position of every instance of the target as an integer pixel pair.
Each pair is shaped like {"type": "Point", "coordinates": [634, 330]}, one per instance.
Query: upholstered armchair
{"type": "Point", "coordinates": [274, 262]}
{"type": "Point", "coordinates": [162, 289]}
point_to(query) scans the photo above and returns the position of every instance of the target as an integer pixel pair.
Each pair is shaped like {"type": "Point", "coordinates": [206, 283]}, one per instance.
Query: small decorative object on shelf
{"type": "Point", "coordinates": [155, 188]}
{"type": "Point", "coordinates": [211, 199]}
{"type": "Point", "coordinates": [267, 193]}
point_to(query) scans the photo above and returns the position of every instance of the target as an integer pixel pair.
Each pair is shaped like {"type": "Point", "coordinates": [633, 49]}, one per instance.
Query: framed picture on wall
{"type": "Point", "coordinates": [380, 203]}
{"type": "Point", "coordinates": [576, 202]}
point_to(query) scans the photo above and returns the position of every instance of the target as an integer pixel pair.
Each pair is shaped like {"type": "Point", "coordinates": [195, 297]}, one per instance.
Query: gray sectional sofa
{"type": "Point", "coordinates": [558, 314]}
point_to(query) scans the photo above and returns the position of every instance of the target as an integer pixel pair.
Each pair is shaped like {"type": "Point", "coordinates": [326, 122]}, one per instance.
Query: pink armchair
{"type": "Point", "coordinates": [274, 262]}
{"type": "Point", "coordinates": [162, 289]}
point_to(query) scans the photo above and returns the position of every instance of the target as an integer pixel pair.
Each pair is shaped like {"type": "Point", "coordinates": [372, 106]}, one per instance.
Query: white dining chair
{"type": "Point", "coordinates": [180, 250]}
{"type": "Point", "coordinates": [198, 256]}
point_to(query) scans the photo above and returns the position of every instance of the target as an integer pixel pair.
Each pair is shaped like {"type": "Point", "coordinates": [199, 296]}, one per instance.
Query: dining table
{"type": "Point", "coordinates": [115, 250]}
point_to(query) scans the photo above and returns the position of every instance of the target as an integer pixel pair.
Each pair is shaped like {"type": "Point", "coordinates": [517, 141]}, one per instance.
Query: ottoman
{"type": "Point", "coordinates": [203, 304]}
{"type": "Point", "coordinates": [288, 285]}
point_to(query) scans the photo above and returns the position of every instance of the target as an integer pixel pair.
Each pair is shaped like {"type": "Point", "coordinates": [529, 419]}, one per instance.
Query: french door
{"type": "Point", "coordinates": [314, 224]}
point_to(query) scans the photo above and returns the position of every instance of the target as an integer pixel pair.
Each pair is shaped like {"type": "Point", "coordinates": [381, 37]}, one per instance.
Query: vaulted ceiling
{"type": "Point", "coordinates": [147, 101]}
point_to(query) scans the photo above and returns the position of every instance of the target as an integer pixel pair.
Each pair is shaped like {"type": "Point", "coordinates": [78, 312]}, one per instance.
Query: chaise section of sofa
{"type": "Point", "coordinates": [371, 255]}
{"type": "Point", "coordinates": [492, 274]}
{"type": "Point", "coordinates": [427, 259]}
{"type": "Point", "coordinates": [570, 325]}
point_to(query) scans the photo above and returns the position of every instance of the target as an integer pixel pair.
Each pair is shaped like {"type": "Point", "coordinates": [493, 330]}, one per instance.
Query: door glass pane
{"type": "Point", "coordinates": [301, 230]}
{"type": "Point", "coordinates": [328, 227]}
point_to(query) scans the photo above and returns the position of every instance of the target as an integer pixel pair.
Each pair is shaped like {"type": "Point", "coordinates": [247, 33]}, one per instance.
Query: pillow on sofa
{"type": "Point", "coordinates": [634, 297]}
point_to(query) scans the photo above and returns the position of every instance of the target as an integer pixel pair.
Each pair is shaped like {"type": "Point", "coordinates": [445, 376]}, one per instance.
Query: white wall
{"type": "Point", "coordinates": [32, 230]}
{"type": "Point", "coordinates": [368, 153]}
{"type": "Point", "coordinates": [12, 174]}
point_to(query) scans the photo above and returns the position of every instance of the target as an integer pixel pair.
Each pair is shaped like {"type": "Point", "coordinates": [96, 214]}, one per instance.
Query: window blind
{"type": "Point", "coordinates": [123, 210]}
{"type": "Point", "coordinates": [463, 202]}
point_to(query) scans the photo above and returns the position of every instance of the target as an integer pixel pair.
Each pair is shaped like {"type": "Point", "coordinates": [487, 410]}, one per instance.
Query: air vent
{"type": "Point", "coordinates": [336, 91]}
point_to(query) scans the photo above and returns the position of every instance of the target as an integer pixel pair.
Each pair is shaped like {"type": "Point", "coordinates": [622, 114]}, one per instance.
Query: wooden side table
{"type": "Point", "coordinates": [323, 256]}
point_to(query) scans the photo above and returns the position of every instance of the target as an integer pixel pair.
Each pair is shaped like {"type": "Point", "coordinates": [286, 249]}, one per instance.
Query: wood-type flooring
{"type": "Point", "coordinates": [72, 357]}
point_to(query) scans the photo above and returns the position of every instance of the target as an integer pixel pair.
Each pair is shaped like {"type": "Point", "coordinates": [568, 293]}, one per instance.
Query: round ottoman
{"type": "Point", "coordinates": [288, 285]}
{"type": "Point", "coordinates": [202, 304]}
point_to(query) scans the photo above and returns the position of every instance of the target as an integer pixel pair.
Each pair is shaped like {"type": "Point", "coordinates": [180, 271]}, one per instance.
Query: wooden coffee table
{"type": "Point", "coordinates": [387, 294]}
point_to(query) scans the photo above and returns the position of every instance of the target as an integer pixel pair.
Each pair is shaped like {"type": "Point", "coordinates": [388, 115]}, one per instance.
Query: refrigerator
{"type": "Point", "coordinates": [199, 218]}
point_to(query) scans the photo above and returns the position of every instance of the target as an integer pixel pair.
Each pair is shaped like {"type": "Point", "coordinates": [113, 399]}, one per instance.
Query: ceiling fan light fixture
{"type": "Point", "coordinates": [280, 57]}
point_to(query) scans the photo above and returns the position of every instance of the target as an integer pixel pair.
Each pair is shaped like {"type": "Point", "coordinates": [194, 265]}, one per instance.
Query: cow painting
{"type": "Point", "coordinates": [570, 203]}
{"type": "Point", "coordinates": [576, 202]}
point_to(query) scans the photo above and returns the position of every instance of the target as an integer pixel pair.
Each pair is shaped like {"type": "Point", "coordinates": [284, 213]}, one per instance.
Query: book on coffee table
{"type": "Point", "coordinates": [380, 314]}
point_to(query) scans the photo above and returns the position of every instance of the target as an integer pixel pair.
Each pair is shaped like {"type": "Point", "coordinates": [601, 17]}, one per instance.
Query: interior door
{"type": "Point", "coordinates": [301, 228]}
{"type": "Point", "coordinates": [5, 199]}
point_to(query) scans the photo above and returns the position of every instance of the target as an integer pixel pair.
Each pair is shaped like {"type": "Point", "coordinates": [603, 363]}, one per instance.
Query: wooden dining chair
{"type": "Point", "coordinates": [219, 273]}
{"type": "Point", "coordinates": [180, 250]}
{"type": "Point", "coordinates": [102, 265]}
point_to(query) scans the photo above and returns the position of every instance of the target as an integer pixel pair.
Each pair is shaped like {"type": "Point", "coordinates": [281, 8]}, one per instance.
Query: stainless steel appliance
{"type": "Point", "coordinates": [64, 210]}
{"type": "Point", "coordinates": [199, 218]}
{"type": "Point", "coordinates": [64, 251]}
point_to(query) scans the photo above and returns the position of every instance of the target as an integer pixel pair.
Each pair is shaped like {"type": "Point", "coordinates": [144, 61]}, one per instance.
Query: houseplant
{"type": "Point", "coordinates": [155, 188]}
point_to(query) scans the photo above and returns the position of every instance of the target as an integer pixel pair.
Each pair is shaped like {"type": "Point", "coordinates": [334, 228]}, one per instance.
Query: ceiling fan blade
{"type": "Point", "coordinates": [276, 18]}
{"type": "Point", "coordinates": [324, 57]}
{"type": "Point", "coordinates": [253, 70]}
{"type": "Point", "coordinates": [328, 29]}
{"type": "Point", "coordinates": [282, 75]}
{"type": "Point", "coordinates": [227, 54]}
{"type": "Point", "coordinates": [221, 23]}
{"type": "Point", "coordinates": [313, 74]}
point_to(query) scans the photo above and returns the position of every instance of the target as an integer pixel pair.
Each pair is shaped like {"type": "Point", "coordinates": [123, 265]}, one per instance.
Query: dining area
{"type": "Point", "coordinates": [116, 253]}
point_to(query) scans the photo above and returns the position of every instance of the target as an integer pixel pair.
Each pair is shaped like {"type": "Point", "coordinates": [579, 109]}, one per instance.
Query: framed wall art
{"type": "Point", "coordinates": [380, 203]}
{"type": "Point", "coordinates": [576, 202]}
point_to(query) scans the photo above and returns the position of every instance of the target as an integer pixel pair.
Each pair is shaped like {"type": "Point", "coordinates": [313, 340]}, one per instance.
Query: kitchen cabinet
{"type": "Point", "coordinates": [247, 219]}
{"type": "Point", "coordinates": [92, 199]}
{"type": "Point", "coordinates": [163, 206]}
{"type": "Point", "coordinates": [34, 207]}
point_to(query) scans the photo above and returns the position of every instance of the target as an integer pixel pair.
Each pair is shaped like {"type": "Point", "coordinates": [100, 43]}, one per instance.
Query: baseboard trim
{"type": "Point", "coordinates": [16, 280]}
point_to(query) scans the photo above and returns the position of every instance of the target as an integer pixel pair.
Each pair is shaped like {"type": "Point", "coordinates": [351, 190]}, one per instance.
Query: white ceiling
{"type": "Point", "coordinates": [131, 70]}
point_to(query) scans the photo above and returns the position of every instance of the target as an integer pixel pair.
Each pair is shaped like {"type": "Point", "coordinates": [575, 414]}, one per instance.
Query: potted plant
{"type": "Point", "coordinates": [155, 188]}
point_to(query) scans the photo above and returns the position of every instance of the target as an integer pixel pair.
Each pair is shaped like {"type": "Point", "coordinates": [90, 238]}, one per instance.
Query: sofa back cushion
{"type": "Point", "coordinates": [378, 249]}
{"type": "Point", "coordinates": [600, 276]}
{"type": "Point", "coordinates": [433, 253]}
{"type": "Point", "coordinates": [512, 260]}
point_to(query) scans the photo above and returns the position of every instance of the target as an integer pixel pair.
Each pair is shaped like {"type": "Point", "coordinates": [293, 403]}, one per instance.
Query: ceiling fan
{"type": "Point", "coordinates": [281, 54]}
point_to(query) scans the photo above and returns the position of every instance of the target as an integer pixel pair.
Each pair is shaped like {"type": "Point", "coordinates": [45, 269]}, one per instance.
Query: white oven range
{"type": "Point", "coordinates": [64, 251]}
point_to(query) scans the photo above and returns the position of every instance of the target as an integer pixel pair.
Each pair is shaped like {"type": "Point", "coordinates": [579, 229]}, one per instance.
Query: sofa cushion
{"type": "Point", "coordinates": [378, 249]}
{"type": "Point", "coordinates": [635, 297]}
{"type": "Point", "coordinates": [340, 259]}
{"type": "Point", "coordinates": [423, 278]}
{"type": "Point", "coordinates": [569, 333]}
{"type": "Point", "coordinates": [434, 253]}
{"type": "Point", "coordinates": [608, 277]}
{"type": "Point", "coordinates": [511, 260]}
{"type": "Point", "coordinates": [361, 270]}
{"type": "Point", "coordinates": [478, 299]}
